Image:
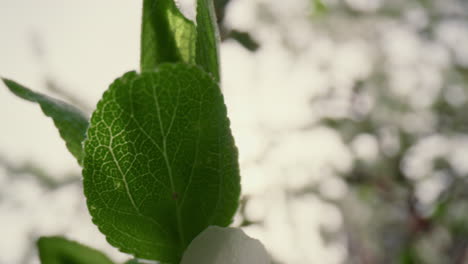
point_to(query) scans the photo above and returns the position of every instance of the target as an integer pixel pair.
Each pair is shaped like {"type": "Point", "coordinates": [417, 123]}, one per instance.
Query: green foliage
{"type": "Point", "coordinates": [410, 256]}
{"type": "Point", "coordinates": [70, 121]}
{"type": "Point", "coordinates": [319, 7]}
{"type": "Point", "coordinates": [166, 35]}
{"type": "Point", "coordinates": [132, 261]}
{"type": "Point", "coordinates": [160, 163]}
{"type": "Point", "coordinates": [207, 38]}
{"type": "Point", "coordinates": [58, 250]}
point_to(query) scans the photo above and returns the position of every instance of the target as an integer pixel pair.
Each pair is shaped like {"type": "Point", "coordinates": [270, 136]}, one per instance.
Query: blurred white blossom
{"type": "Point", "coordinates": [217, 245]}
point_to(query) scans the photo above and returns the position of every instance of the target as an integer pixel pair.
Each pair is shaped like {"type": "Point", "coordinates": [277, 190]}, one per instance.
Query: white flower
{"type": "Point", "coordinates": [217, 245]}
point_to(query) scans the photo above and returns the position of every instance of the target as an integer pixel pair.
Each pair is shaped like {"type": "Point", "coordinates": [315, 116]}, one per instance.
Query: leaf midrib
{"type": "Point", "coordinates": [164, 153]}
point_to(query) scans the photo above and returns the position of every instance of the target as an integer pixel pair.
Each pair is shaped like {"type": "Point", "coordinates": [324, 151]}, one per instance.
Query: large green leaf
{"type": "Point", "coordinates": [70, 121]}
{"type": "Point", "coordinates": [166, 35]}
{"type": "Point", "coordinates": [160, 161]}
{"type": "Point", "coordinates": [58, 250]}
{"type": "Point", "coordinates": [207, 38]}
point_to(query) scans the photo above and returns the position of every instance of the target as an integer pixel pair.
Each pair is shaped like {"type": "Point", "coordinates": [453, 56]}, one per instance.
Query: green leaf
{"type": "Point", "coordinates": [160, 161]}
{"type": "Point", "coordinates": [319, 7]}
{"type": "Point", "coordinates": [69, 120]}
{"type": "Point", "coordinates": [58, 250]}
{"type": "Point", "coordinates": [207, 38]}
{"type": "Point", "coordinates": [409, 255]}
{"type": "Point", "coordinates": [135, 261]}
{"type": "Point", "coordinates": [132, 261]}
{"type": "Point", "coordinates": [166, 35]}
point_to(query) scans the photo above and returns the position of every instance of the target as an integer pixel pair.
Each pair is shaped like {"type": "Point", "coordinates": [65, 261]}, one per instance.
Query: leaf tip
{"type": "Point", "coordinates": [6, 81]}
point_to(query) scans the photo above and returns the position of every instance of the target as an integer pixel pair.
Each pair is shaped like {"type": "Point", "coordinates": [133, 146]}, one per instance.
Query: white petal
{"type": "Point", "coordinates": [217, 245]}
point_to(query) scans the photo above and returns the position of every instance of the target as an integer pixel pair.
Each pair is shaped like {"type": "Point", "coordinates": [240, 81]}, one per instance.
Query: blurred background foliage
{"type": "Point", "coordinates": [405, 124]}
{"type": "Point", "coordinates": [350, 116]}
{"type": "Point", "coordinates": [402, 116]}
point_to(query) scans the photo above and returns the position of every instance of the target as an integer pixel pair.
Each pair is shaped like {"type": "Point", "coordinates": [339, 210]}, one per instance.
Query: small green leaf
{"type": "Point", "coordinates": [132, 261]}
{"type": "Point", "coordinates": [320, 6]}
{"type": "Point", "coordinates": [166, 35]}
{"type": "Point", "coordinates": [58, 250]}
{"type": "Point", "coordinates": [160, 161]}
{"type": "Point", "coordinates": [207, 38]}
{"type": "Point", "coordinates": [70, 121]}
{"type": "Point", "coordinates": [136, 261]}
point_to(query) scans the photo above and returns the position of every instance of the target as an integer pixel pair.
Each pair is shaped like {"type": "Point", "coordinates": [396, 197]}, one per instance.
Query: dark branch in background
{"type": "Point", "coordinates": [39, 51]}
{"type": "Point", "coordinates": [220, 6]}
{"type": "Point", "coordinates": [53, 86]}
{"type": "Point", "coordinates": [244, 38]}
{"type": "Point", "coordinates": [245, 220]}
{"type": "Point", "coordinates": [31, 169]}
